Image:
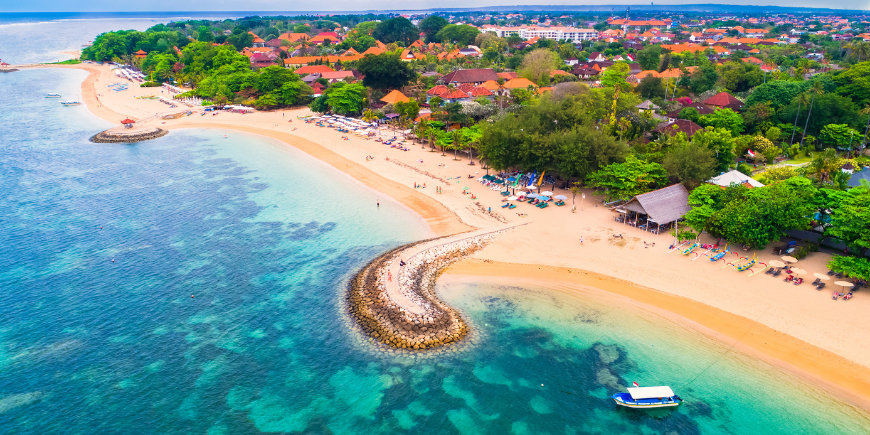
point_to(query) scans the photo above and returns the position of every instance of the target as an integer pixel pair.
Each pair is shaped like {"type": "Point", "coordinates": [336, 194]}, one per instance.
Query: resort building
{"type": "Point", "coordinates": [570, 34]}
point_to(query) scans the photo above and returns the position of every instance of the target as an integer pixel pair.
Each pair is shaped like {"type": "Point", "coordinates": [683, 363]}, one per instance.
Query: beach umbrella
{"type": "Point", "coordinates": [562, 197]}
{"type": "Point", "coordinates": [798, 271]}
{"type": "Point", "coordinates": [822, 276]}
{"type": "Point", "coordinates": [532, 186]}
{"type": "Point", "coordinates": [776, 263]}
{"type": "Point", "coordinates": [846, 284]}
{"type": "Point", "coordinates": [521, 193]}
{"type": "Point", "coordinates": [513, 198]}
{"type": "Point", "coordinates": [544, 197]}
{"type": "Point", "coordinates": [789, 259]}
{"type": "Point", "coordinates": [547, 193]}
{"type": "Point", "coordinates": [533, 195]}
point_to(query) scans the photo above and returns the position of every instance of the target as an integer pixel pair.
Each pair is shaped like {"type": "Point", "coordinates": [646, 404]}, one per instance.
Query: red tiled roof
{"type": "Point", "coordinates": [682, 125]}
{"type": "Point", "coordinates": [466, 87]}
{"type": "Point", "coordinates": [470, 76]}
{"type": "Point", "coordinates": [456, 94]}
{"type": "Point", "coordinates": [723, 99]}
{"type": "Point", "coordinates": [437, 90]}
{"type": "Point", "coordinates": [312, 69]}
{"type": "Point", "coordinates": [480, 91]}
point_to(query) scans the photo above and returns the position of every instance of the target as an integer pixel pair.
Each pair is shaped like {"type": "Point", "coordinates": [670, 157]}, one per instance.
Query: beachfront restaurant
{"type": "Point", "coordinates": [655, 211]}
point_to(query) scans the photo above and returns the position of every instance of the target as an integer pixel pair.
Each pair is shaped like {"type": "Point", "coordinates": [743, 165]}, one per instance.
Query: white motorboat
{"type": "Point", "coordinates": [647, 397]}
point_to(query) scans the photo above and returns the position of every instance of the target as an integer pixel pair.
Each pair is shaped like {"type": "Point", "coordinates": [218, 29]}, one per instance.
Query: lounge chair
{"type": "Point", "coordinates": [506, 205]}
{"type": "Point", "coordinates": [820, 286]}
{"type": "Point", "coordinates": [560, 203]}
{"type": "Point", "coordinates": [512, 207]}
{"type": "Point", "coordinates": [505, 193]}
{"type": "Point", "coordinates": [544, 205]}
{"type": "Point", "coordinates": [777, 273]}
{"type": "Point", "coordinates": [769, 272]}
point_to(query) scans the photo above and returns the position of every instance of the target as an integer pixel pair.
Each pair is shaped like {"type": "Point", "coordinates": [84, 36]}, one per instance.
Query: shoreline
{"type": "Point", "coordinates": [836, 372]}
{"type": "Point", "coordinates": [840, 377]}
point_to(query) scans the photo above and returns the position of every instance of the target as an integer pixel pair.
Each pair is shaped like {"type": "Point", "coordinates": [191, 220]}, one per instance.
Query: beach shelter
{"type": "Point", "coordinates": [395, 97]}
{"type": "Point", "coordinates": [128, 122]}
{"type": "Point", "coordinates": [661, 206]}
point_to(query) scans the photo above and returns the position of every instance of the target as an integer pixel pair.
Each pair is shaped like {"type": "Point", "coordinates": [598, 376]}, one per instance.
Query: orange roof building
{"type": "Point", "coordinates": [519, 83]}
{"type": "Point", "coordinates": [313, 69]}
{"type": "Point", "coordinates": [395, 97]}
{"type": "Point", "coordinates": [140, 54]}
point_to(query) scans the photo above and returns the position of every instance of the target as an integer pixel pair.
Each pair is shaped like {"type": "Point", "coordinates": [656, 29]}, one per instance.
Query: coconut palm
{"type": "Point", "coordinates": [456, 135]}
{"type": "Point", "coordinates": [369, 115]}
{"type": "Point", "coordinates": [420, 131]}
{"type": "Point", "coordinates": [815, 89]}
{"type": "Point", "coordinates": [866, 111]}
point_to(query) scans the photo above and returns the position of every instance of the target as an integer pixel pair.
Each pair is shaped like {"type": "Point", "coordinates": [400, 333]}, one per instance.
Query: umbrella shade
{"type": "Point", "coordinates": [798, 271]}
{"type": "Point", "coordinates": [547, 193]}
{"type": "Point", "coordinates": [562, 197]}
{"type": "Point", "coordinates": [845, 283]}
{"type": "Point", "coordinates": [789, 259]}
{"type": "Point", "coordinates": [776, 263]}
{"type": "Point", "coordinates": [822, 276]}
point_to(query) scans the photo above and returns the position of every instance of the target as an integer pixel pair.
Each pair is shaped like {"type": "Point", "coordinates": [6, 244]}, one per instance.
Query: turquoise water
{"type": "Point", "coordinates": [264, 238]}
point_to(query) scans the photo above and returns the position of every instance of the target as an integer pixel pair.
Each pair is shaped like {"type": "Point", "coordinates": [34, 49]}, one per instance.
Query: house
{"type": "Point", "coordinates": [312, 69]}
{"type": "Point", "coordinates": [678, 126]}
{"type": "Point", "coordinates": [647, 105]}
{"type": "Point", "coordinates": [507, 75]}
{"type": "Point", "coordinates": [585, 72]}
{"type": "Point", "coordinates": [395, 97]}
{"type": "Point", "coordinates": [322, 38]}
{"type": "Point", "coordinates": [571, 61]}
{"type": "Point", "coordinates": [294, 37]}
{"type": "Point", "coordinates": [474, 76]}
{"type": "Point", "coordinates": [734, 178]}
{"type": "Point", "coordinates": [661, 206]}
{"type": "Point", "coordinates": [596, 57]}
{"type": "Point", "coordinates": [258, 41]}
{"type": "Point", "coordinates": [723, 100]}
{"type": "Point", "coordinates": [334, 76]}
{"type": "Point", "coordinates": [140, 54]}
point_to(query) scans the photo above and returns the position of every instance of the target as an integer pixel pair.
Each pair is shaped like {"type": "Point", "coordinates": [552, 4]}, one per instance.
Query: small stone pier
{"type": "Point", "coordinates": [128, 135]}
{"type": "Point", "coordinates": [397, 306]}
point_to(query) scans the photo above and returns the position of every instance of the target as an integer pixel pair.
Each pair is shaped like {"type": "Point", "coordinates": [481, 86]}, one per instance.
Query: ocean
{"type": "Point", "coordinates": [193, 284]}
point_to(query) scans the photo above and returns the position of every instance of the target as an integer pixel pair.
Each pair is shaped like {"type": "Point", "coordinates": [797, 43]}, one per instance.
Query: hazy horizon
{"type": "Point", "coordinates": [354, 6]}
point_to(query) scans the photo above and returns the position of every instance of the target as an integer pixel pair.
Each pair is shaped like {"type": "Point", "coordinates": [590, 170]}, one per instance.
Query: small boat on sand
{"type": "Point", "coordinates": [647, 398]}
{"type": "Point", "coordinates": [70, 103]}
{"type": "Point", "coordinates": [52, 95]}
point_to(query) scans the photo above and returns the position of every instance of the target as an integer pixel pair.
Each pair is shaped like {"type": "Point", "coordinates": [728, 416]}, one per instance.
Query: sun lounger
{"type": "Point", "coordinates": [817, 281]}
{"type": "Point", "coordinates": [769, 272]}
{"type": "Point", "coordinates": [506, 205]}
{"type": "Point", "coordinates": [777, 273]}
{"type": "Point", "coordinates": [820, 286]}
{"type": "Point", "coordinates": [836, 296]}
{"type": "Point", "coordinates": [512, 207]}
{"type": "Point", "coordinates": [847, 296]}
{"type": "Point", "coordinates": [560, 203]}
{"type": "Point", "coordinates": [505, 193]}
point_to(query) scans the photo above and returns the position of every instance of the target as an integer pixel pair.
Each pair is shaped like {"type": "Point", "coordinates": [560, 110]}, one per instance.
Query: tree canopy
{"type": "Point", "coordinates": [397, 29]}
{"type": "Point", "coordinates": [385, 71]}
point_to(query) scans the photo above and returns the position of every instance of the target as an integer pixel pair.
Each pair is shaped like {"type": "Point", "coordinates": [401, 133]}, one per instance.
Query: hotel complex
{"type": "Point", "coordinates": [571, 34]}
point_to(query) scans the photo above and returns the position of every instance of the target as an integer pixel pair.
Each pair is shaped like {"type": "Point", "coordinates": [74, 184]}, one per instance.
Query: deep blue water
{"type": "Point", "coordinates": [264, 237]}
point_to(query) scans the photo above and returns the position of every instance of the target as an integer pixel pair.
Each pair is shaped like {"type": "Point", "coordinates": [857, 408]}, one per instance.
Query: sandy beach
{"type": "Point", "coordinates": [796, 328]}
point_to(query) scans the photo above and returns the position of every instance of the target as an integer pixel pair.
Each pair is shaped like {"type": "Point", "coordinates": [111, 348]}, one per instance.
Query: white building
{"type": "Point", "coordinates": [571, 34]}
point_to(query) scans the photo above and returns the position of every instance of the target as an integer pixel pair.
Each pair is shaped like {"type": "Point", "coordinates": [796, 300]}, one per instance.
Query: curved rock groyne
{"type": "Point", "coordinates": [128, 135]}
{"type": "Point", "coordinates": [397, 306]}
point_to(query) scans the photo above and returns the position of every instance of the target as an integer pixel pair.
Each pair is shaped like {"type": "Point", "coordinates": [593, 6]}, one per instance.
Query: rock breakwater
{"type": "Point", "coordinates": [396, 304]}
{"type": "Point", "coordinates": [128, 135]}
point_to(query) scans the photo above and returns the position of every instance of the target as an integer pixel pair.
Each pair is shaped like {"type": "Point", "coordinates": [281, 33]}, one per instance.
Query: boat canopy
{"type": "Point", "coordinates": [650, 392]}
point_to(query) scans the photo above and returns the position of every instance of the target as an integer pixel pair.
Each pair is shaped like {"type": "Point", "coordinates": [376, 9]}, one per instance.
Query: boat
{"type": "Point", "coordinates": [70, 103]}
{"type": "Point", "coordinates": [647, 398]}
{"type": "Point", "coordinates": [52, 95]}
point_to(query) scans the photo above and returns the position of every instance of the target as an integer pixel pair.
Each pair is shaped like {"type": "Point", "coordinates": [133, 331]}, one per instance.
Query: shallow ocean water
{"type": "Point", "coordinates": [265, 237]}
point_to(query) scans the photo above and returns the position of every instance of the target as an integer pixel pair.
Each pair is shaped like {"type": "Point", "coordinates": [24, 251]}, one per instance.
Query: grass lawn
{"type": "Point", "coordinates": [798, 161]}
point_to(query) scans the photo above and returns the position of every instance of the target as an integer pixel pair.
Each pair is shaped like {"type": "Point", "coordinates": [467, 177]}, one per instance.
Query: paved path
{"type": "Point", "coordinates": [403, 297]}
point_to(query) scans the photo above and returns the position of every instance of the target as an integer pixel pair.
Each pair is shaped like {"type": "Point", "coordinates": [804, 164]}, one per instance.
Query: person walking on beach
{"type": "Point", "coordinates": [581, 240]}
{"type": "Point", "coordinates": [379, 203]}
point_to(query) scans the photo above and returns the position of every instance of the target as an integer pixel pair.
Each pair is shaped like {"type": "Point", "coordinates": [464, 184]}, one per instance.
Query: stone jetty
{"type": "Point", "coordinates": [128, 135]}
{"type": "Point", "coordinates": [397, 306]}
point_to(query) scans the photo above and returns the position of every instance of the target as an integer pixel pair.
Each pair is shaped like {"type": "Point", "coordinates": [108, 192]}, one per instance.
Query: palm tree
{"type": "Point", "coordinates": [369, 115]}
{"type": "Point", "coordinates": [866, 111]}
{"type": "Point", "coordinates": [815, 89]}
{"type": "Point", "coordinates": [420, 130]}
{"type": "Point", "coordinates": [457, 143]}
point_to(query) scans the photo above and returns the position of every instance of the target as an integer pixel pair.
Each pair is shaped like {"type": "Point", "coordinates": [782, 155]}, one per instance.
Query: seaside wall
{"type": "Point", "coordinates": [114, 135]}
{"type": "Point", "coordinates": [405, 312]}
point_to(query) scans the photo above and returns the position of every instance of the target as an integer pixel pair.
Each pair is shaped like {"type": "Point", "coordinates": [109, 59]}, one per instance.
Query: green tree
{"type": "Point", "coordinates": [652, 87]}
{"type": "Point", "coordinates": [777, 173]}
{"type": "Point", "coordinates": [721, 143]}
{"type": "Point", "coordinates": [855, 267]}
{"type": "Point", "coordinates": [690, 163]}
{"type": "Point", "coordinates": [650, 57]}
{"type": "Point", "coordinates": [459, 34]}
{"type": "Point", "coordinates": [703, 79]}
{"type": "Point", "coordinates": [628, 179]}
{"type": "Point", "coordinates": [850, 222]}
{"type": "Point", "coordinates": [385, 71]}
{"type": "Point", "coordinates": [538, 64]}
{"type": "Point", "coordinates": [778, 93]}
{"type": "Point", "coordinates": [839, 135]}
{"type": "Point", "coordinates": [854, 83]}
{"type": "Point", "coordinates": [690, 113]}
{"type": "Point", "coordinates": [614, 77]}
{"type": "Point", "coordinates": [431, 25]}
{"type": "Point", "coordinates": [397, 29]}
{"type": "Point", "coordinates": [724, 118]}
{"type": "Point", "coordinates": [241, 40]}
{"type": "Point", "coordinates": [205, 34]}
{"type": "Point", "coordinates": [755, 216]}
